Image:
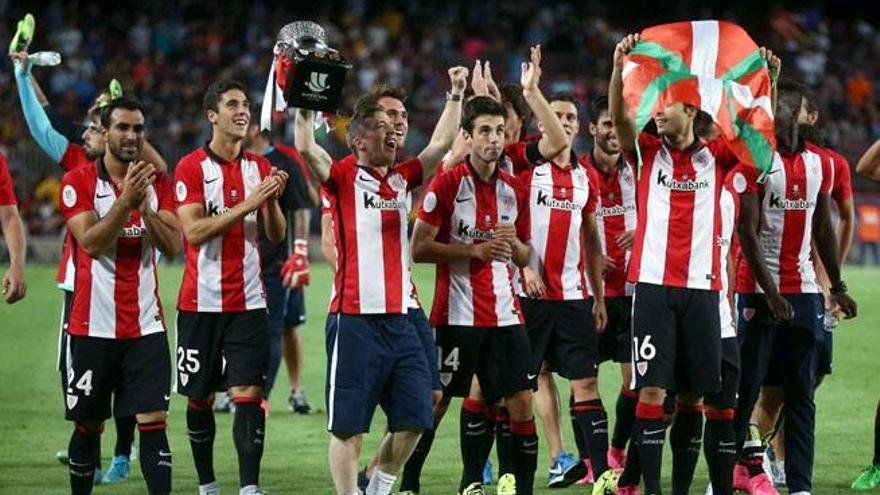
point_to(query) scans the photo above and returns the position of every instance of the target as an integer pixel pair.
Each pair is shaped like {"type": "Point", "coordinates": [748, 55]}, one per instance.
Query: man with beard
{"type": "Point", "coordinates": [616, 222]}
{"type": "Point", "coordinates": [564, 334]}
{"type": "Point", "coordinates": [223, 338]}
{"type": "Point", "coordinates": [770, 402]}
{"type": "Point", "coordinates": [780, 305]}
{"type": "Point", "coordinates": [120, 213]}
{"type": "Point", "coordinates": [367, 321]}
{"type": "Point", "coordinates": [70, 155]}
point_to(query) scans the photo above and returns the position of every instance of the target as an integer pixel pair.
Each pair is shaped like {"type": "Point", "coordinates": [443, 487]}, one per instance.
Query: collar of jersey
{"type": "Point", "coordinates": [217, 158]}
{"type": "Point", "coordinates": [620, 163]}
{"type": "Point", "coordinates": [492, 178]}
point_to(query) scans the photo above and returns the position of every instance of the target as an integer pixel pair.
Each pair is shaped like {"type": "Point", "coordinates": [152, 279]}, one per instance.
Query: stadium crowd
{"type": "Point", "coordinates": [167, 55]}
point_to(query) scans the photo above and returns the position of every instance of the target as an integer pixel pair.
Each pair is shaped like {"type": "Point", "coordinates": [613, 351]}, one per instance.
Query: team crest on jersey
{"type": "Point", "coordinates": [253, 177]}
{"type": "Point", "coordinates": [701, 157]}
{"type": "Point", "coordinates": [642, 367]}
{"type": "Point", "coordinates": [445, 378]}
{"type": "Point", "coordinates": [69, 196]}
{"type": "Point", "coordinates": [71, 401]}
{"type": "Point", "coordinates": [181, 191]}
{"type": "Point", "coordinates": [397, 182]}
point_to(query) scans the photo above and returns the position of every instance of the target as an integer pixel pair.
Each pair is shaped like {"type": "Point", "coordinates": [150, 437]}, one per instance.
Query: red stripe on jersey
{"type": "Point", "coordinates": [233, 242]}
{"type": "Point", "coordinates": [557, 236]}
{"type": "Point", "coordinates": [615, 215]}
{"type": "Point", "coordinates": [482, 278]}
{"type": "Point", "coordinates": [681, 213]}
{"type": "Point", "coordinates": [795, 222]}
{"type": "Point", "coordinates": [391, 249]}
{"type": "Point", "coordinates": [127, 278]}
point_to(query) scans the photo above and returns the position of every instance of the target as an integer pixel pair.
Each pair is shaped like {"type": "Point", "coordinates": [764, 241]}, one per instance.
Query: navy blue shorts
{"type": "Point", "coordinates": [371, 356]}
{"type": "Point", "coordinates": [426, 334]}
{"type": "Point", "coordinates": [286, 307]}
{"type": "Point", "coordinates": [295, 312]}
{"type": "Point", "coordinates": [826, 349]}
{"type": "Point", "coordinates": [809, 316]}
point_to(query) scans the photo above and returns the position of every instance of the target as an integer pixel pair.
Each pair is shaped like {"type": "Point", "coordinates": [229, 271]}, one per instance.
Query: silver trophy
{"type": "Point", "coordinates": [309, 73]}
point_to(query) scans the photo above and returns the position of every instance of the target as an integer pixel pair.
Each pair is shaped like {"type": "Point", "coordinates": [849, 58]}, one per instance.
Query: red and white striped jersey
{"type": "Point", "coordinates": [74, 157]}
{"type": "Point", "coordinates": [116, 294]}
{"type": "Point", "coordinates": [788, 199]}
{"type": "Point", "coordinates": [841, 176]}
{"type": "Point", "coordinates": [615, 214]}
{"type": "Point", "coordinates": [734, 185]}
{"type": "Point", "coordinates": [559, 200]}
{"type": "Point", "coordinates": [466, 210]}
{"type": "Point", "coordinates": [678, 221]}
{"type": "Point", "coordinates": [222, 274]}
{"type": "Point", "coordinates": [328, 207]}
{"type": "Point", "coordinates": [371, 232]}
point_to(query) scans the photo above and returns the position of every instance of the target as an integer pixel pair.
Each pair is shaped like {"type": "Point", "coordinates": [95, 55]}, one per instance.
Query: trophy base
{"type": "Point", "coordinates": [316, 84]}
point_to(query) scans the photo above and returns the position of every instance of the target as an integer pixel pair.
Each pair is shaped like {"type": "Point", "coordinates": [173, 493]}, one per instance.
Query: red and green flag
{"type": "Point", "coordinates": [714, 66]}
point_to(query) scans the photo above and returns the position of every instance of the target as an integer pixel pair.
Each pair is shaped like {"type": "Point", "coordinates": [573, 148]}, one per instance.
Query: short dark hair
{"type": "Point", "coordinates": [791, 86]}
{"type": "Point", "coordinates": [478, 106]}
{"type": "Point", "coordinates": [703, 124]}
{"type": "Point", "coordinates": [386, 91]}
{"type": "Point", "coordinates": [598, 105]}
{"type": "Point", "coordinates": [365, 109]}
{"type": "Point", "coordinates": [511, 94]}
{"type": "Point", "coordinates": [211, 100]}
{"type": "Point", "coordinates": [123, 102]}
{"type": "Point", "coordinates": [566, 97]}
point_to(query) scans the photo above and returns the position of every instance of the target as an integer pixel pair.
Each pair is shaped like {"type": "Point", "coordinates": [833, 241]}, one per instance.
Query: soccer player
{"type": "Point", "coordinates": [367, 323]}
{"type": "Point", "coordinates": [676, 334]}
{"type": "Point", "coordinates": [14, 286]}
{"type": "Point", "coordinates": [472, 222]}
{"type": "Point", "coordinates": [869, 478]}
{"type": "Point", "coordinates": [120, 212]}
{"type": "Point", "coordinates": [720, 407]}
{"type": "Point", "coordinates": [780, 306]}
{"type": "Point", "coordinates": [279, 290]}
{"type": "Point", "coordinates": [69, 156]}
{"type": "Point", "coordinates": [564, 334]}
{"type": "Point", "coordinates": [616, 222]}
{"type": "Point", "coordinates": [222, 324]}
{"type": "Point", "coordinates": [770, 401]}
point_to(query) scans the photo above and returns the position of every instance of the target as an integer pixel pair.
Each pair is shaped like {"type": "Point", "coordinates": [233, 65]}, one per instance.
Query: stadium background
{"type": "Point", "coordinates": [167, 52]}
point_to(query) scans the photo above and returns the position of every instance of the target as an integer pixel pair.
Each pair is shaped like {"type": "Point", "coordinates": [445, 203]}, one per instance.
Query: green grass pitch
{"type": "Point", "coordinates": [32, 427]}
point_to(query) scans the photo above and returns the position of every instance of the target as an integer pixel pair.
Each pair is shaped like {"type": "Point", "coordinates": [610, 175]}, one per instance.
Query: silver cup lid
{"type": "Point", "coordinates": [301, 34]}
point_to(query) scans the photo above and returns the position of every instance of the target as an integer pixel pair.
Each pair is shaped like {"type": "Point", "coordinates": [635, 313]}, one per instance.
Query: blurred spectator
{"type": "Point", "coordinates": [868, 233]}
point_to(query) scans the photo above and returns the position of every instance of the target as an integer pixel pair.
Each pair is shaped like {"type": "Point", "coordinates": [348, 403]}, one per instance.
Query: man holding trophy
{"type": "Point", "coordinates": [372, 348]}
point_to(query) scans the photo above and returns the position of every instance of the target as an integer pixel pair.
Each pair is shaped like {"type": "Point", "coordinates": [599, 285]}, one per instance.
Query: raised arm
{"type": "Point", "coordinates": [315, 156]}
{"type": "Point", "coordinates": [52, 142]}
{"type": "Point", "coordinates": [626, 129]}
{"type": "Point", "coordinates": [553, 140]}
{"type": "Point", "coordinates": [447, 127]}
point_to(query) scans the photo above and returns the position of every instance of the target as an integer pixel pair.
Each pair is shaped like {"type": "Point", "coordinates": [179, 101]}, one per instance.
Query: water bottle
{"type": "Point", "coordinates": [45, 59]}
